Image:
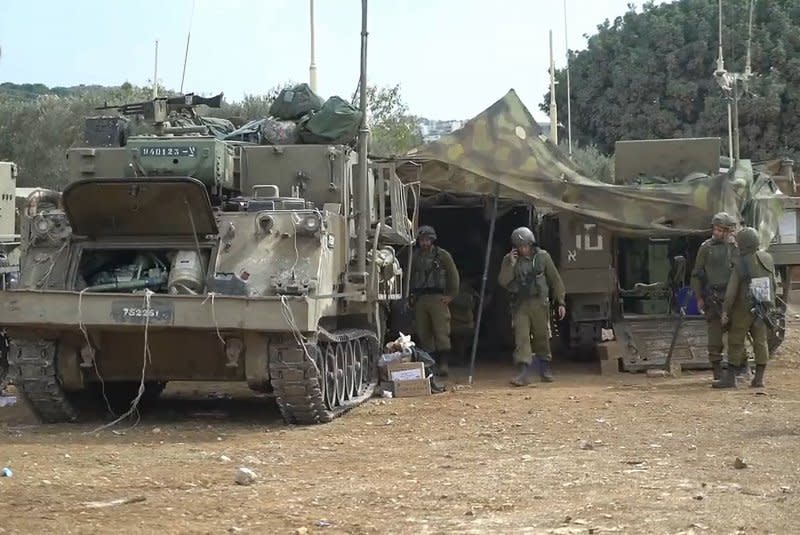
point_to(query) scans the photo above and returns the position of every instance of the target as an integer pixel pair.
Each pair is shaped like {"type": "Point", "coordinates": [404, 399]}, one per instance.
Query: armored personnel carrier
{"type": "Point", "coordinates": [633, 286]}
{"type": "Point", "coordinates": [178, 255]}
{"type": "Point", "coordinates": [9, 244]}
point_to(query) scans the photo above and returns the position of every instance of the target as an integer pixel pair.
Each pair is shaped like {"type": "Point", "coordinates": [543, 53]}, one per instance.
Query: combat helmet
{"type": "Point", "coordinates": [724, 220]}
{"type": "Point", "coordinates": [523, 235]}
{"type": "Point", "coordinates": [747, 240]}
{"type": "Point", "coordinates": [426, 230]}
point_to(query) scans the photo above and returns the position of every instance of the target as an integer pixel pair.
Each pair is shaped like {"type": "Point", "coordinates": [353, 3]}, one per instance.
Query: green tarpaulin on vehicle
{"type": "Point", "coordinates": [337, 122]}
{"type": "Point", "coordinates": [502, 146]}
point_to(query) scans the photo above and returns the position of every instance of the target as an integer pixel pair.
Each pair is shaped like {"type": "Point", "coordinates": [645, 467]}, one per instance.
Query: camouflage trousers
{"type": "Point", "coordinates": [432, 321]}
{"type": "Point", "coordinates": [742, 324]}
{"type": "Point", "coordinates": [531, 319]}
{"type": "Point", "coordinates": [715, 335]}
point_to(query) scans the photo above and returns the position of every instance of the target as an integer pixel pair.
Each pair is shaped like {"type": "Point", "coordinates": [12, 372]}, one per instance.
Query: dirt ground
{"type": "Point", "coordinates": [587, 454]}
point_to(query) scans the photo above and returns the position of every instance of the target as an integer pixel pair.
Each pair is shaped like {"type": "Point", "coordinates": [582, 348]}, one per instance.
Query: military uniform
{"type": "Point", "coordinates": [533, 282]}
{"type": "Point", "coordinates": [751, 287]}
{"type": "Point", "coordinates": [712, 269]}
{"type": "Point", "coordinates": [433, 277]}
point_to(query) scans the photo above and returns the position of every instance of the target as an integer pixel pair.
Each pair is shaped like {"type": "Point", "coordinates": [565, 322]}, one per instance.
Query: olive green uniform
{"type": "Point", "coordinates": [712, 269]}
{"type": "Point", "coordinates": [433, 276]}
{"type": "Point", "coordinates": [739, 301]}
{"type": "Point", "coordinates": [532, 281]}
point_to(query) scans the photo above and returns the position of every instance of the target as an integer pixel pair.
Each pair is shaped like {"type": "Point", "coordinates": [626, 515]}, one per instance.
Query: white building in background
{"type": "Point", "coordinates": [432, 129]}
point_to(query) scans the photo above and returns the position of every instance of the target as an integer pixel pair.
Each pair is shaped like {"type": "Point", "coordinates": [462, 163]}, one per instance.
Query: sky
{"type": "Point", "coordinates": [452, 58]}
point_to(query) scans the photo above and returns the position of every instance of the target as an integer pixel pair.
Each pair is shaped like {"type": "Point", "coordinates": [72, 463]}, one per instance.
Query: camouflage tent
{"type": "Point", "coordinates": [502, 149]}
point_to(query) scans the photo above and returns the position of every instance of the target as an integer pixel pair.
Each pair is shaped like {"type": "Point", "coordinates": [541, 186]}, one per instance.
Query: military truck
{"type": "Point", "coordinates": [178, 255]}
{"type": "Point", "coordinates": [629, 290]}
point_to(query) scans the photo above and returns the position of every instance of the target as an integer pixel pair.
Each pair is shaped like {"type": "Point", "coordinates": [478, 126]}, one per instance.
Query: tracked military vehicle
{"type": "Point", "coordinates": [9, 245]}
{"type": "Point", "coordinates": [178, 255]}
{"type": "Point", "coordinates": [632, 287]}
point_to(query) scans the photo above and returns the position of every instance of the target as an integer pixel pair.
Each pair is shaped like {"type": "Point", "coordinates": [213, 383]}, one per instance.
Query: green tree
{"type": "Point", "coordinates": [393, 131]}
{"type": "Point", "coordinates": [650, 75]}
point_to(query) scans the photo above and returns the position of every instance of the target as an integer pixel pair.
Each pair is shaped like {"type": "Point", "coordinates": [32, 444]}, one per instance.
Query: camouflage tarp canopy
{"type": "Point", "coordinates": [501, 147]}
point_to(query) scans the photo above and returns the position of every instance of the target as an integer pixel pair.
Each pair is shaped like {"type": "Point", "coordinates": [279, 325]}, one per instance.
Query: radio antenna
{"type": "Point", "coordinates": [186, 53]}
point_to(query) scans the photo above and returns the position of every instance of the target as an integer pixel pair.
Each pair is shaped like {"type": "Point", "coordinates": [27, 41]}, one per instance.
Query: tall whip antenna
{"type": "Point", "coordinates": [721, 74]}
{"type": "Point", "coordinates": [569, 106]}
{"type": "Point", "coordinates": [186, 53]}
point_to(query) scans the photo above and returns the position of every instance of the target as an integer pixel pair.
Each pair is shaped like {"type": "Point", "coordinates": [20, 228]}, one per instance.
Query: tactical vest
{"type": "Point", "coordinates": [718, 264]}
{"type": "Point", "coordinates": [530, 281]}
{"type": "Point", "coordinates": [429, 275]}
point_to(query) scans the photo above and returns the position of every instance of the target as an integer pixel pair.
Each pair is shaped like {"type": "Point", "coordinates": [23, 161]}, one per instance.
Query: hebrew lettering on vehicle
{"type": "Point", "coordinates": [585, 241]}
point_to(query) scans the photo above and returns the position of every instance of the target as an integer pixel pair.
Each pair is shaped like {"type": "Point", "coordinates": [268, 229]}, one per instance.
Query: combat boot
{"type": "Point", "coordinates": [743, 373]}
{"type": "Point", "coordinates": [728, 378]}
{"type": "Point", "coordinates": [716, 368]}
{"type": "Point", "coordinates": [545, 371]}
{"type": "Point", "coordinates": [524, 376]}
{"type": "Point", "coordinates": [758, 380]}
{"type": "Point", "coordinates": [436, 388]}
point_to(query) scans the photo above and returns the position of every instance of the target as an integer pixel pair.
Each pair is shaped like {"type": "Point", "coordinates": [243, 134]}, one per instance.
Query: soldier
{"type": "Point", "coordinates": [712, 269]}
{"type": "Point", "coordinates": [434, 284]}
{"type": "Point", "coordinates": [749, 298]}
{"type": "Point", "coordinates": [532, 279]}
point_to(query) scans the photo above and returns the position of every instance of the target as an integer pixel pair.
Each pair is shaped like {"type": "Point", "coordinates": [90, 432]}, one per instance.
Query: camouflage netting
{"type": "Point", "coordinates": [501, 147]}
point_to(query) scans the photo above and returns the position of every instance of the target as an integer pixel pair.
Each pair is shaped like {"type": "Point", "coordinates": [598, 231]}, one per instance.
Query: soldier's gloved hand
{"type": "Point", "coordinates": [562, 312]}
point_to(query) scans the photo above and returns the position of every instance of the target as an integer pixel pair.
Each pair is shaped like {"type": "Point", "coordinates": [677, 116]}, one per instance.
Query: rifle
{"type": "Point", "coordinates": [713, 301]}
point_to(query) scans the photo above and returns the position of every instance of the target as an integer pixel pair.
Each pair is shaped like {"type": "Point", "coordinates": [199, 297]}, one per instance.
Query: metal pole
{"type": "Point", "coordinates": [736, 120]}
{"type": "Point", "coordinates": [553, 112]}
{"type": "Point", "coordinates": [363, 166]}
{"type": "Point", "coordinates": [155, 73]}
{"type": "Point", "coordinates": [730, 132]}
{"type": "Point", "coordinates": [312, 69]}
{"type": "Point", "coordinates": [569, 105]}
{"type": "Point", "coordinates": [483, 284]}
{"type": "Point", "coordinates": [186, 53]}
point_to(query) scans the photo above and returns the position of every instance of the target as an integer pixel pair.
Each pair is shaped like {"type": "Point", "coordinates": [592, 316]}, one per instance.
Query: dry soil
{"type": "Point", "coordinates": [624, 453]}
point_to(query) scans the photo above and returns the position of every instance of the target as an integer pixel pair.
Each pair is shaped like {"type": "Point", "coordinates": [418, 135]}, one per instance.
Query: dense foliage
{"type": "Point", "coordinates": [649, 75]}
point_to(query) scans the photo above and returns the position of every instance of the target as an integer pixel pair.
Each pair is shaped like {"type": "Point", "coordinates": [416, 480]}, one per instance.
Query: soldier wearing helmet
{"type": "Point", "coordinates": [434, 284]}
{"type": "Point", "coordinates": [749, 299]}
{"type": "Point", "coordinates": [712, 269]}
{"type": "Point", "coordinates": [531, 277]}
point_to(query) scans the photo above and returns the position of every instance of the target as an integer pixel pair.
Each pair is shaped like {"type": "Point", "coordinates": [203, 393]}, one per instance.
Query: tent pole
{"type": "Point", "coordinates": [483, 284]}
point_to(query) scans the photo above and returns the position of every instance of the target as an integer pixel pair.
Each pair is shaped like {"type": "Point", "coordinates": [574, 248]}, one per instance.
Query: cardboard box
{"type": "Point", "coordinates": [412, 388]}
{"type": "Point", "coordinates": [405, 371]}
{"type": "Point", "coordinates": [383, 373]}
